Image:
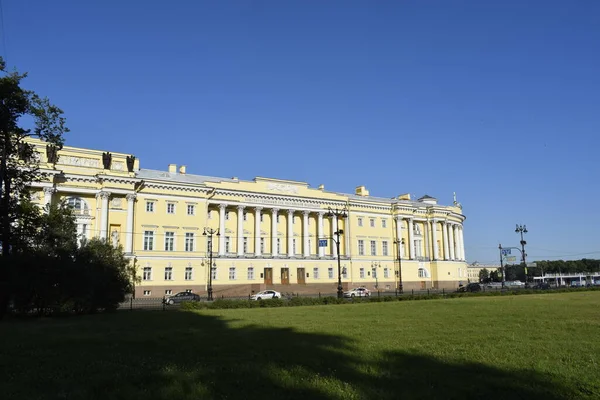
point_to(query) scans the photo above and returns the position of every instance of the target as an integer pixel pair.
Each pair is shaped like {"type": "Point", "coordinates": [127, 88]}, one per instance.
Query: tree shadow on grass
{"type": "Point", "coordinates": [166, 355]}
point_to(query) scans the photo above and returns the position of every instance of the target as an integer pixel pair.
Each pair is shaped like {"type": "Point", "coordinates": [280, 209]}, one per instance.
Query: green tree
{"type": "Point", "coordinates": [18, 164]}
{"type": "Point", "coordinates": [484, 275]}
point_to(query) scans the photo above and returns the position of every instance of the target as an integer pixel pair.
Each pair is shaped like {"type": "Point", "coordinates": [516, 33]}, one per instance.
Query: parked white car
{"type": "Point", "coordinates": [357, 292]}
{"type": "Point", "coordinates": [266, 294]}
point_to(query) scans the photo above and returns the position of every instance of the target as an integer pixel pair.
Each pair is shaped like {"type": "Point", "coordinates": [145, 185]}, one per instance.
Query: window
{"type": "Point", "coordinates": [361, 247]}
{"type": "Point", "coordinates": [169, 241]}
{"type": "Point", "coordinates": [386, 273]}
{"type": "Point", "coordinates": [148, 240]}
{"type": "Point", "coordinates": [191, 210]}
{"type": "Point", "coordinates": [278, 245]}
{"type": "Point", "coordinates": [330, 272]}
{"type": "Point", "coordinates": [168, 273]}
{"type": "Point", "coordinates": [149, 206]}
{"type": "Point", "coordinates": [362, 273]}
{"type": "Point", "coordinates": [147, 276]}
{"type": "Point", "coordinates": [227, 243]}
{"type": "Point", "coordinates": [168, 292]}
{"type": "Point", "coordinates": [250, 273]}
{"type": "Point", "coordinates": [245, 245]}
{"type": "Point", "coordinates": [293, 246]}
{"type": "Point", "coordinates": [189, 241]}
{"type": "Point", "coordinates": [384, 223]}
{"type": "Point", "coordinates": [147, 292]}
{"type": "Point", "coordinates": [188, 273]}
{"type": "Point", "coordinates": [245, 216]}
{"type": "Point", "coordinates": [384, 248]}
{"type": "Point", "coordinates": [262, 245]}
{"type": "Point", "coordinates": [232, 273]}
{"type": "Point", "coordinates": [373, 248]}
{"type": "Point", "coordinates": [316, 272]}
{"type": "Point", "coordinates": [214, 273]}
{"type": "Point", "coordinates": [360, 223]}
{"type": "Point", "coordinates": [78, 206]}
{"type": "Point", "coordinates": [170, 208]}
{"type": "Point", "coordinates": [226, 215]}
{"type": "Point", "coordinates": [372, 222]}
{"type": "Point", "coordinates": [344, 273]}
{"type": "Point", "coordinates": [422, 273]}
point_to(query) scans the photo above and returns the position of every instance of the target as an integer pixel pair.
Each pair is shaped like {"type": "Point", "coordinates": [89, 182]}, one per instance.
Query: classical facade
{"type": "Point", "coordinates": [273, 233]}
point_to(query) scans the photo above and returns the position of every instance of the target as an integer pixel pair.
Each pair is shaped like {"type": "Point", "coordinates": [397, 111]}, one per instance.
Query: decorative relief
{"type": "Point", "coordinates": [282, 188]}
{"type": "Point", "coordinates": [118, 166]}
{"type": "Point", "coordinates": [79, 161]}
{"type": "Point", "coordinates": [116, 202]}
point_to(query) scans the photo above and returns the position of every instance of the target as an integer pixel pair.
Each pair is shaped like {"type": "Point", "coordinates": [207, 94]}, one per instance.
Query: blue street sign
{"type": "Point", "coordinates": [322, 242]}
{"type": "Point", "coordinates": [505, 252]}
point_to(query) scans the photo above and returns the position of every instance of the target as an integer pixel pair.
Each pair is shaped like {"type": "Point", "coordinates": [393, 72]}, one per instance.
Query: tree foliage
{"type": "Point", "coordinates": [484, 275]}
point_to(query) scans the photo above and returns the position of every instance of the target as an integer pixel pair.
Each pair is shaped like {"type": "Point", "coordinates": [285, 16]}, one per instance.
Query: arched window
{"type": "Point", "coordinates": [78, 205]}
{"type": "Point", "coordinates": [423, 273]}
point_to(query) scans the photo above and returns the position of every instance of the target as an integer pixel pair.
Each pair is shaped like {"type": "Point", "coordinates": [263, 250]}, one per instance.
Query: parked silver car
{"type": "Point", "coordinates": [181, 297]}
{"type": "Point", "coordinates": [266, 294]}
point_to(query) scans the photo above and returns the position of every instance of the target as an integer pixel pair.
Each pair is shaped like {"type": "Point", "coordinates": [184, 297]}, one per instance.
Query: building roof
{"type": "Point", "coordinates": [181, 178]}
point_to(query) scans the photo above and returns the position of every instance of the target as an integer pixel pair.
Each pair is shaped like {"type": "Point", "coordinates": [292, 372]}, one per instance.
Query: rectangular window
{"type": "Point", "coordinates": [147, 292]}
{"type": "Point", "coordinates": [170, 208]}
{"type": "Point", "coordinates": [169, 241]}
{"type": "Point", "coordinates": [214, 273]}
{"type": "Point", "coordinates": [232, 273]}
{"type": "Point", "coordinates": [245, 245]}
{"type": "Point", "coordinates": [373, 248]}
{"type": "Point", "coordinates": [330, 273]}
{"type": "Point", "coordinates": [149, 206]}
{"type": "Point", "coordinates": [384, 223]}
{"type": "Point", "coordinates": [372, 222]}
{"type": "Point", "coordinates": [148, 240]}
{"type": "Point", "coordinates": [227, 243]}
{"type": "Point", "coordinates": [168, 292]}
{"type": "Point", "coordinates": [262, 245]}
{"type": "Point", "coordinates": [191, 210]}
{"type": "Point", "coordinates": [316, 272]}
{"type": "Point", "coordinates": [361, 247]}
{"type": "Point", "coordinates": [188, 273]}
{"type": "Point", "coordinates": [293, 246]}
{"type": "Point", "coordinates": [278, 246]}
{"type": "Point", "coordinates": [384, 248]}
{"type": "Point", "coordinates": [360, 221]}
{"type": "Point", "coordinates": [362, 273]}
{"type": "Point", "coordinates": [168, 273]}
{"type": "Point", "coordinates": [147, 276]}
{"type": "Point", "coordinates": [386, 273]}
{"type": "Point", "coordinates": [250, 273]}
{"type": "Point", "coordinates": [189, 241]}
{"type": "Point", "coordinates": [344, 273]}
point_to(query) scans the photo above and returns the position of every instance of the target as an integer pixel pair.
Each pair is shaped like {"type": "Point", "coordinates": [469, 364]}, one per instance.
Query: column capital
{"type": "Point", "coordinates": [258, 208]}
{"type": "Point", "coordinates": [222, 206]}
{"type": "Point", "coordinates": [274, 210]}
{"type": "Point", "coordinates": [306, 212]}
{"type": "Point", "coordinates": [241, 207]}
{"type": "Point", "coordinates": [103, 195]}
{"type": "Point", "coordinates": [131, 197]}
{"type": "Point", "coordinates": [290, 212]}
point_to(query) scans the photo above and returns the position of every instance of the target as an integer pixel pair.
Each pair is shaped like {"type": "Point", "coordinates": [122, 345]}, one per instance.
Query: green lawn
{"type": "Point", "coordinates": [511, 347]}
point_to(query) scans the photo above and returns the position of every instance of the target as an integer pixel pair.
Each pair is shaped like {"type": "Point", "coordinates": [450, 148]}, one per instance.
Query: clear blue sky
{"type": "Point", "coordinates": [498, 101]}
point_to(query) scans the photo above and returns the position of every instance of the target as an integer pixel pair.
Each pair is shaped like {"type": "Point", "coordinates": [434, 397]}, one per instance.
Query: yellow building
{"type": "Point", "coordinates": [270, 229]}
{"type": "Point", "coordinates": [474, 269]}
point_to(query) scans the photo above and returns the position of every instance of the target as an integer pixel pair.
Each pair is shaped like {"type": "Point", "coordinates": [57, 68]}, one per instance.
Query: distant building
{"type": "Point", "coordinates": [474, 269]}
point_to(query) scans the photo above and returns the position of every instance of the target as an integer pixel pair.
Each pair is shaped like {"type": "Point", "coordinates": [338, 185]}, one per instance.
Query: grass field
{"type": "Point", "coordinates": [513, 347]}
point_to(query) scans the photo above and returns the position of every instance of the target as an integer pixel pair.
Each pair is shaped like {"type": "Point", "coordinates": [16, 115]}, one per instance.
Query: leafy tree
{"type": "Point", "coordinates": [18, 164]}
{"type": "Point", "coordinates": [496, 276]}
{"type": "Point", "coordinates": [484, 275]}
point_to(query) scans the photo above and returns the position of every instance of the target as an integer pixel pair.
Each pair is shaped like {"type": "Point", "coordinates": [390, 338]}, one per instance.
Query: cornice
{"type": "Point", "coordinates": [171, 186]}
{"type": "Point", "coordinates": [118, 179]}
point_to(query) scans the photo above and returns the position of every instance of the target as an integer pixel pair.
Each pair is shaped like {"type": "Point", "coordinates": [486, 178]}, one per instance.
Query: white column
{"type": "Point", "coordinates": [411, 243]}
{"type": "Point", "coordinates": [274, 212]}
{"type": "Point", "coordinates": [451, 237]}
{"type": "Point", "coordinates": [129, 229]}
{"type": "Point", "coordinates": [398, 245]}
{"type": "Point", "coordinates": [305, 236]}
{"type": "Point", "coordinates": [426, 231]}
{"type": "Point", "coordinates": [290, 233]}
{"type": "Point", "coordinates": [240, 231]}
{"type": "Point", "coordinates": [48, 192]}
{"type": "Point", "coordinates": [257, 211]}
{"type": "Point", "coordinates": [346, 236]}
{"type": "Point", "coordinates": [435, 243]}
{"type": "Point", "coordinates": [104, 214]}
{"type": "Point", "coordinates": [334, 228]}
{"type": "Point", "coordinates": [462, 244]}
{"type": "Point", "coordinates": [320, 233]}
{"type": "Point", "coordinates": [456, 243]}
{"type": "Point", "coordinates": [445, 239]}
{"type": "Point", "coordinates": [222, 208]}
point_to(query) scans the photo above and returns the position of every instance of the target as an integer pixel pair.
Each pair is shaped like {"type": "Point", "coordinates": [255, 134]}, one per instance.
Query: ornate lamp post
{"type": "Point", "coordinates": [399, 243]}
{"type": "Point", "coordinates": [337, 213]}
{"type": "Point", "coordinates": [209, 232]}
{"type": "Point", "coordinates": [523, 229]}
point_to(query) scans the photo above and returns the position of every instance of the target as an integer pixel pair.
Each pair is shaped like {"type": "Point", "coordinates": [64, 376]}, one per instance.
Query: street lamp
{"type": "Point", "coordinates": [337, 213]}
{"type": "Point", "coordinates": [523, 229]}
{"type": "Point", "coordinates": [374, 266]}
{"type": "Point", "coordinates": [399, 243]}
{"type": "Point", "coordinates": [209, 232]}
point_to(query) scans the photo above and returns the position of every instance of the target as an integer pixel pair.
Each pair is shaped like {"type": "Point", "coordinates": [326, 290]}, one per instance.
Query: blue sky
{"type": "Point", "coordinates": [498, 101]}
